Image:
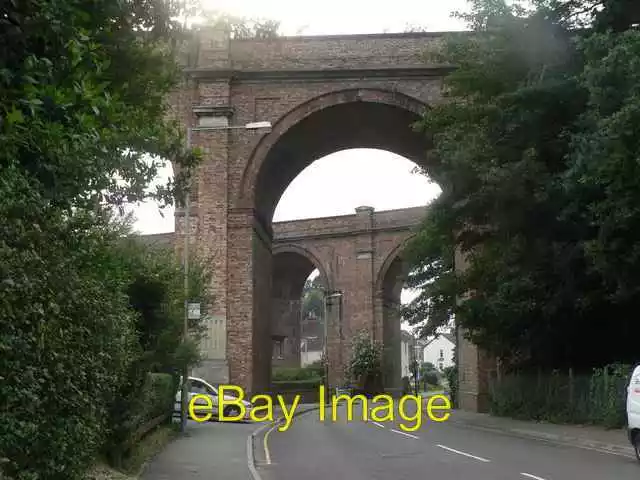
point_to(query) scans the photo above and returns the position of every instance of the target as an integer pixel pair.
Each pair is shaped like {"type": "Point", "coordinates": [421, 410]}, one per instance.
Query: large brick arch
{"type": "Point", "coordinates": [324, 125]}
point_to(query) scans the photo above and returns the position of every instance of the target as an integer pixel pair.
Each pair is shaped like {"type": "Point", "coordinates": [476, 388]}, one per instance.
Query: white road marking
{"type": "Point", "coordinates": [465, 454]}
{"type": "Point", "coordinates": [532, 476]}
{"type": "Point", "coordinates": [378, 424]}
{"type": "Point", "coordinates": [405, 434]}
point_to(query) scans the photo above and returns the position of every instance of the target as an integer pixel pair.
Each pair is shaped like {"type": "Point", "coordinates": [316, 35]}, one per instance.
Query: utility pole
{"type": "Point", "coordinates": [185, 326]}
{"type": "Point", "coordinates": [185, 258]}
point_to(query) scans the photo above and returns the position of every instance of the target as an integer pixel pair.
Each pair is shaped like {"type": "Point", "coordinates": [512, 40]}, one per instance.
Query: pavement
{"type": "Point", "coordinates": [613, 441]}
{"type": "Point", "coordinates": [461, 447]}
{"type": "Point", "coordinates": [220, 450]}
{"type": "Point", "coordinates": [208, 450]}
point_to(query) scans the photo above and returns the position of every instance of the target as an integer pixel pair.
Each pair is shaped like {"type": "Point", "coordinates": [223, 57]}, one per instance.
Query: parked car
{"type": "Point", "coordinates": [198, 386]}
{"type": "Point", "coordinates": [633, 410]}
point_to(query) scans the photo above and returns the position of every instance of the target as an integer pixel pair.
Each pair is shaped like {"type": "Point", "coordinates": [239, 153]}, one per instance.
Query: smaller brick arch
{"type": "Point", "coordinates": [309, 255]}
{"type": "Point", "coordinates": [391, 257]}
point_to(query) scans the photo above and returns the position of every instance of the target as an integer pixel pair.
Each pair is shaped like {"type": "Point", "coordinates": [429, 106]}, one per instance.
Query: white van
{"type": "Point", "coordinates": [198, 386]}
{"type": "Point", "coordinates": [633, 410]}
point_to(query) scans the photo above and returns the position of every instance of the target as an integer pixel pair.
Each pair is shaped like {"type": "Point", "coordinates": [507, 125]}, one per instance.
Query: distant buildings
{"type": "Point", "coordinates": [407, 353]}
{"type": "Point", "coordinates": [439, 350]}
{"type": "Point", "coordinates": [311, 339]}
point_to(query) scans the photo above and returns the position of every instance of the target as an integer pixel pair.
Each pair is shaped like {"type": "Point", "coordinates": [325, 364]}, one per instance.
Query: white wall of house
{"type": "Point", "coordinates": [406, 354]}
{"type": "Point", "coordinates": [439, 352]}
{"type": "Point", "coordinates": [307, 358]}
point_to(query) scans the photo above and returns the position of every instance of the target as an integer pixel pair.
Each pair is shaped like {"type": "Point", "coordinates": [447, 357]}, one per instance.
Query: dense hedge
{"type": "Point", "coordinates": [288, 385]}
{"type": "Point", "coordinates": [83, 129]}
{"type": "Point", "coordinates": [451, 374]}
{"type": "Point", "coordinates": [561, 397]}
{"type": "Point", "coordinates": [292, 373]}
{"type": "Point", "coordinates": [154, 398]}
{"type": "Point", "coordinates": [76, 345]}
{"type": "Point", "coordinates": [65, 333]}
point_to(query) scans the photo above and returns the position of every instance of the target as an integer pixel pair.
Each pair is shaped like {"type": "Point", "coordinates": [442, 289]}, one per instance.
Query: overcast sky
{"type": "Point", "coordinates": [338, 183]}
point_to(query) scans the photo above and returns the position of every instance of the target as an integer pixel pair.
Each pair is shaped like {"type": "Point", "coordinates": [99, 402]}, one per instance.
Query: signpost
{"type": "Point", "coordinates": [193, 310]}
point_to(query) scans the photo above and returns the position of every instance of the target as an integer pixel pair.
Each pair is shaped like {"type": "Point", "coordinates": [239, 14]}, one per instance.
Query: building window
{"type": "Point", "coordinates": [441, 354]}
{"type": "Point", "coordinates": [277, 349]}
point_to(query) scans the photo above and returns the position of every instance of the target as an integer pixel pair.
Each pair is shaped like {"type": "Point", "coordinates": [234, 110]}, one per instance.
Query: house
{"type": "Point", "coordinates": [439, 350]}
{"type": "Point", "coordinates": [407, 352]}
{"type": "Point", "coordinates": [312, 339]}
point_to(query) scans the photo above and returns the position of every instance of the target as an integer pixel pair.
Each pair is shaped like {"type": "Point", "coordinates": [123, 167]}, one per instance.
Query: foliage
{"type": "Point", "coordinates": [240, 28]}
{"type": "Point", "coordinates": [303, 373]}
{"type": "Point", "coordinates": [535, 153]}
{"type": "Point", "coordinates": [365, 364]}
{"type": "Point", "coordinates": [65, 344]}
{"type": "Point", "coordinates": [560, 397]}
{"type": "Point", "coordinates": [84, 128]}
{"type": "Point", "coordinates": [429, 374]}
{"type": "Point", "coordinates": [311, 383]}
{"type": "Point", "coordinates": [451, 375]}
{"type": "Point", "coordinates": [243, 28]}
{"type": "Point", "coordinates": [155, 397]}
{"type": "Point", "coordinates": [427, 366]}
{"type": "Point", "coordinates": [66, 78]}
{"type": "Point", "coordinates": [313, 299]}
{"type": "Point", "coordinates": [155, 292]}
{"type": "Point", "coordinates": [431, 377]}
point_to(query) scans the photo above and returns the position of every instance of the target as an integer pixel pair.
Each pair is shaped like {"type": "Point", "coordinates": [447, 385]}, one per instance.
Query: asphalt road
{"type": "Point", "coordinates": [358, 450]}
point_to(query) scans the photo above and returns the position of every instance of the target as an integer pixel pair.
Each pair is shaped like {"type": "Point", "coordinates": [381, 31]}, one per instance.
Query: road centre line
{"type": "Point", "coordinates": [463, 453]}
{"type": "Point", "coordinates": [378, 424]}
{"type": "Point", "coordinates": [404, 433]}
{"type": "Point", "coordinates": [532, 476]}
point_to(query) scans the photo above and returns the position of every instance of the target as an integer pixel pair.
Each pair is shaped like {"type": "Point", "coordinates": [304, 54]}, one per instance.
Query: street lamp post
{"type": "Point", "coordinates": [185, 256]}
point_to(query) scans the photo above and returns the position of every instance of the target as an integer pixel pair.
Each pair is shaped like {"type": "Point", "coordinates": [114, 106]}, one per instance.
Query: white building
{"type": "Point", "coordinates": [407, 353]}
{"type": "Point", "coordinates": [439, 351]}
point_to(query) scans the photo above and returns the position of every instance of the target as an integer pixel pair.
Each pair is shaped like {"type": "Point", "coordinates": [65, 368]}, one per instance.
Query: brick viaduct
{"type": "Point", "coordinates": [321, 94]}
{"type": "Point", "coordinates": [356, 255]}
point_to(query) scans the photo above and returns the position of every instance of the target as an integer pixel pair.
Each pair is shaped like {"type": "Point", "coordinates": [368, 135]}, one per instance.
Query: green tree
{"type": "Point", "coordinates": [312, 300]}
{"type": "Point", "coordinates": [365, 364]}
{"type": "Point", "coordinates": [238, 27]}
{"type": "Point", "coordinates": [84, 128]}
{"type": "Point", "coordinates": [535, 153]}
{"type": "Point", "coordinates": [156, 295]}
{"type": "Point", "coordinates": [244, 27]}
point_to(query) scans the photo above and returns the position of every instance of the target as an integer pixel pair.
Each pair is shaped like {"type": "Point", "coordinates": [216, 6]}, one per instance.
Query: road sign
{"type": "Point", "coordinates": [193, 311]}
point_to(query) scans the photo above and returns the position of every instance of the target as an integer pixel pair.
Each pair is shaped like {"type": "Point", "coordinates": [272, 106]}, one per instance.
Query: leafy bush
{"type": "Point", "coordinates": [66, 344]}
{"type": "Point", "coordinates": [451, 374]}
{"type": "Point", "coordinates": [155, 293]}
{"type": "Point", "coordinates": [598, 398]}
{"type": "Point", "coordinates": [365, 365]}
{"type": "Point", "coordinates": [305, 384]}
{"type": "Point", "coordinates": [74, 344]}
{"type": "Point", "coordinates": [299, 373]}
{"type": "Point", "coordinates": [154, 398]}
{"type": "Point", "coordinates": [431, 377]}
{"type": "Point", "coordinates": [67, 330]}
